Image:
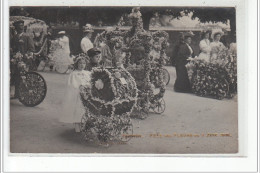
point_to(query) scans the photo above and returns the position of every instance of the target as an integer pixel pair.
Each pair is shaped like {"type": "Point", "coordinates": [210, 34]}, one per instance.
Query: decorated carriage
{"type": "Point", "coordinates": [217, 78]}
{"type": "Point", "coordinates": [142, 53]}
{"type": "Point", "coordinates": [32, 87]}
{"type": "Point", "coordinates": [109, 102]}
{"type": "Point", "coordinates": [37, 29]}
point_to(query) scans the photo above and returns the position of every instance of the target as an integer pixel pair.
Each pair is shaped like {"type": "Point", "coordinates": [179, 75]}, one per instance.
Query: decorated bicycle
{"type": "Point", "coordinates": [30, 86]}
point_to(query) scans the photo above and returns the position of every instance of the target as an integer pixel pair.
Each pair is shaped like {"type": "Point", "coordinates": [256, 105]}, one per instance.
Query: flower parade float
{"type": "Point", "coordinates": [109, 102]}
{"type": "Point", "coordinates": [217, 78]}
{"type": "Point", "coordinates": [37, 29]}
{"type": "Point", "coordinates": [142, 53]}
{"type": "Point", "coordinates": [32, 87]}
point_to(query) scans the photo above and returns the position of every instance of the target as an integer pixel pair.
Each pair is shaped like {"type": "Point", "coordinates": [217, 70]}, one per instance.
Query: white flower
{"type": "Point", "coordinates": [99, 84]}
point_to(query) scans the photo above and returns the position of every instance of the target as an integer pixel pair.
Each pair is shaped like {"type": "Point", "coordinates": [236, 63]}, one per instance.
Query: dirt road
{"type": "Point", "coordinates": [190, 124]}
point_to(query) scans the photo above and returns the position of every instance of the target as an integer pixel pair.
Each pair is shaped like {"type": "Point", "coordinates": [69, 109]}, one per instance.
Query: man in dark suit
{"type": "Point", "coordinates": [23, 43]}
{"type": "Point", "coordinates": [182, 83]}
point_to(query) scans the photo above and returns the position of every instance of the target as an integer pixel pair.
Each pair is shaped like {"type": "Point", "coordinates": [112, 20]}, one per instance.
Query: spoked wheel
{"type": "Point", "coordinates": [140, 110]}
{"type": "Point", "coordinates": [32, 89]}
{"type": "Point", "coordinates": [222, 93]}
{"type": "Point", "coordinates": [61, 68]}
{"type": "Point", "coordinates": [166, 76]}
{"type": "Point", "coordinates": [159, 106]}
{"type": "Point", "coordinates": [125, 133]}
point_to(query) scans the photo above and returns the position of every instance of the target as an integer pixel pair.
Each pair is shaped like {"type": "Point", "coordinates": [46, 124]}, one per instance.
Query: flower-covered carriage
{"type": "Point", "coordinates": [142, 53]}
{"type": "Point", "coordinates": [109, 102]}
{"type": "Point", "coordinates": [30, 86]}
{"type": "Point", "coordinates": [37, 29]}
{"type": "Point", "coordinates": [217, 78]}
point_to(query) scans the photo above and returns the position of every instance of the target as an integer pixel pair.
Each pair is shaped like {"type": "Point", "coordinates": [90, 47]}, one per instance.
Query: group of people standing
{"type": "Point", "coordinates": [85, 45]}
{"type": "Point", "coordinates": [208, 52]}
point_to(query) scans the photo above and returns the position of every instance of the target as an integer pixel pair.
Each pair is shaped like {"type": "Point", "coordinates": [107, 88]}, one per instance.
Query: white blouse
{"type": "Point", "coordinates": [86, 44]}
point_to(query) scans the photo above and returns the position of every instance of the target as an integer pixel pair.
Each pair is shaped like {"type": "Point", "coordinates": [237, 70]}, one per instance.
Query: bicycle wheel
{"type": "Point", "coordinates": [160, 106]}
{"type": "Point", "coordinates": [126, 133]}
{"type": "Point", "coordinates": [166, 76]}
{"type": "Point", "coordinates": [61, 68]}
{"type": "Point", "coordinates": [32, 89]}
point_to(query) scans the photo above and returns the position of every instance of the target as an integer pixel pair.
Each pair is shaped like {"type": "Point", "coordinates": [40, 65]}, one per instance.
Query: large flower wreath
{"type": "Point", "coordinates": [109, 102]}
{"type": "Point", "coordinates": [217, 78]}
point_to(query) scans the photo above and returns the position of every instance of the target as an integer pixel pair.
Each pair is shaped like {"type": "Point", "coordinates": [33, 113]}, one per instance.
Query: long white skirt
{"type": "Point", "coordinates": [72, 107]}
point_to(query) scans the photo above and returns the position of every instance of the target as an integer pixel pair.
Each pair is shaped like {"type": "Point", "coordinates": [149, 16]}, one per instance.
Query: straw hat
{"type": "Point", "coordinates": [61, 32]}
{"type": "Point", "coordinates": [188, 34]}
{"type": "Point", "coordinates": [216, 31]}
{"type": "Point", "coordinates": [88, 28]}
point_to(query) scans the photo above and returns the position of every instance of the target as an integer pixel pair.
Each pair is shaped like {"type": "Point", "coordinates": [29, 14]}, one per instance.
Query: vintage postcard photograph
{"type": "Point", "coordinates": [123, 80]}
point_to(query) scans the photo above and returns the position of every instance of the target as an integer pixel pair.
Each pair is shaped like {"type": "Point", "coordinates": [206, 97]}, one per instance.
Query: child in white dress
{"type": "Point", "coordinates": [73, 109]}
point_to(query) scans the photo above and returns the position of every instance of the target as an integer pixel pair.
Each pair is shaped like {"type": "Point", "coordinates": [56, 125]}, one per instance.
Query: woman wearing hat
{"type": "Point", "coordinates": [85, 43]}
{"type": "Point", "coordinates": [182, 83]}
{"type": "Point", "coordinates": [216, 45]}
{"type": "Point", "coordinates": [205, 46]}
{"type": "Point", "coordinates": [62, 53]}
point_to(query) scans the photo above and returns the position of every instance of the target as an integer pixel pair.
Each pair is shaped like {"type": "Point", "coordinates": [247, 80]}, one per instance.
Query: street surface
{"type": "Point", "coordinates": [190, 124]}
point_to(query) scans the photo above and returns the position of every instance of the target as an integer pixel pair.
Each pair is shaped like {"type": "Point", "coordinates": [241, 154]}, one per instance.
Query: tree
{"type": "Point", "coordinates": [111, 15]}
{"type": "Point", "coordinates": [216, 15]}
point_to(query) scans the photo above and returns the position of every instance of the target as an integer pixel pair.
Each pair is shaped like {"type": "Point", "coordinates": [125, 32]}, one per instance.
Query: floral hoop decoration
{"type": "Point", "coordinates": [110, 101]}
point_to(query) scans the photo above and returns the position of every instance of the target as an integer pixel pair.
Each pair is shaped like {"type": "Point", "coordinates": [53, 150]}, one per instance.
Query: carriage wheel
{"type": "Point", "coordinates": [32, 89]}
{"type": "Point", "coordinates": [166, 76]}
{"type": "Point", "coordinates": [61, 68]}
{"type": "Point", "coordinates": [125, 133]}
{"type": "Point", "coordinates": [225, 89]}
{"type": "Point", "coordinates": [159, 106]}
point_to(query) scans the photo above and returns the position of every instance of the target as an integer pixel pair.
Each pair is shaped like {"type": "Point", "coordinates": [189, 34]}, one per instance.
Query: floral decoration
{"type": "Point", "coordinates": [109, 102]}
{"type": "Point", "coordinates": [217, 78]}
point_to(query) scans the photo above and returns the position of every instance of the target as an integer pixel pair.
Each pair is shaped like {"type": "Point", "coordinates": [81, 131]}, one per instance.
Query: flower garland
{"type": "Point", "coordinates": [109, 101]}
{"type": "Point", "coordinates": [32, 25]}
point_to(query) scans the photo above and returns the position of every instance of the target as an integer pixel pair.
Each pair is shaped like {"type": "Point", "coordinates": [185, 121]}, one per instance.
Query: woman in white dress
{"type": "Point", "coordinates": [216, 45]}
{"type": "Point", "coordinates": [205, 46]}
{"type": "Point", "coordinates": [62, 54]}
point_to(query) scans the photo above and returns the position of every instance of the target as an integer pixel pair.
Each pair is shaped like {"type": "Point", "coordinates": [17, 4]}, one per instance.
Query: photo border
{"type": "Point", "coordinates": [246, 81]}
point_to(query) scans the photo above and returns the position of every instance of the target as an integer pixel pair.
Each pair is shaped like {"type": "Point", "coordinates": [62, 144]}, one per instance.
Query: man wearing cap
{"type": "Point", "coordinates": [86, 44]}
{"type": "Point", "coordinates": [95, 58]}
{"type": "Point", "coordinates": [23, 43]}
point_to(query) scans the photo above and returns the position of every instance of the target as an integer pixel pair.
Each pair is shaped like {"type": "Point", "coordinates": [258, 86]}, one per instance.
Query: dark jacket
{"type": "Point", "coordinates": [23, 43]}
{"type": "Point", "coordinates": [183, 54]}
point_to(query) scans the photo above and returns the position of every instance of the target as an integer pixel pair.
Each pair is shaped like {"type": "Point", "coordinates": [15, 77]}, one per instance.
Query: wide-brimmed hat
{"type": "Point", "coordinates": [88, 28]}
{"type": "Point", "coordinates": [93, 51]}
{"type": "Point", "coordinates": [188, 34]}
{"type": "Point", "coordinates": [204, 32]}
{"type": "Point", "coordinates": [217, 31]}
{"type": "Point", "coordinates": [61, 32]}
{"type": "Point", "coordinates": [110, 28]}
